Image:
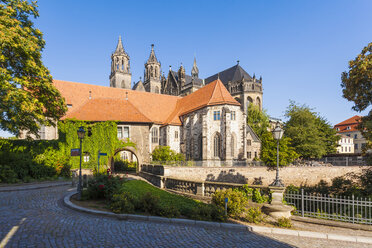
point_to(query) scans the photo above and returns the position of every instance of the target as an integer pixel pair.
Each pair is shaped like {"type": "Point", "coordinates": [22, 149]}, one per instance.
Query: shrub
{"type": "Point", "coordinates": [123, 203]}
{"type": "Point", "coordinates": [284, 222]}
{"type": "Point", "coordinates": [7, 175]}
{"type": "Point", "coordinates": [257, 197]}
{"type": "Point", "coordinates": [236, 201]}
{"type": "Point", "coordinates": [149, 203]}
{"type": "Point", "coordinates": [254, 215]}
{"type": "Point", "coordinates": [103, 186]}
{"type": "Point", "coordinates": [124, 165]}
{"type": "Point", "coordinates": [168, 211]}
{"type": "Point", "coordinates": [164, 153]}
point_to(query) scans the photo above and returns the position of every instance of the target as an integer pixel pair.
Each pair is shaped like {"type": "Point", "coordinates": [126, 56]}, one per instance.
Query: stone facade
{"type": "Point", "coordinates": [120, 76]}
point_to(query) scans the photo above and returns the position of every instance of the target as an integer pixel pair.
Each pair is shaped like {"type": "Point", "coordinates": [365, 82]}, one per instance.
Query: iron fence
{"type": "Point", "coordinates": [341, 208]}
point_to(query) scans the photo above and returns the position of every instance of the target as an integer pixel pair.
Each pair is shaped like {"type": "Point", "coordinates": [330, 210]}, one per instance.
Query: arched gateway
{"type": "Point", "coordinates": [129, 149]}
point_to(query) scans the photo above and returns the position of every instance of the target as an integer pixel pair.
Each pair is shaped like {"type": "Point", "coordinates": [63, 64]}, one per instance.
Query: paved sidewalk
{"type": "Point", "coordinates": [30, 186]}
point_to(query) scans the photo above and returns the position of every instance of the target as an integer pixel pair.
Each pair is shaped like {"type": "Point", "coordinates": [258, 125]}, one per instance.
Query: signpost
{"type": "Point", "coordinates": [226, 200]}
{"type": "Point", "coordinates": [99, 155]}
{"type": "Point", "coordinates": [75, 152]}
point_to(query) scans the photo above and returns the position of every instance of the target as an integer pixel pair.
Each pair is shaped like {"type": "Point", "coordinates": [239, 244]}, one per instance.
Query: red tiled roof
{"type": "Point", "coordinates": [100, 103]}
{"type": "Point", "coordinates": [352, 123]}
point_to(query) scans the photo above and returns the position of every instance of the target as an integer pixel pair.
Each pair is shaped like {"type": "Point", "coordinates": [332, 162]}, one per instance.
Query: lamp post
{"type": "Point", "coordinates": [81, 134]}
{"type": "Point", "coordinates": [278, 134]}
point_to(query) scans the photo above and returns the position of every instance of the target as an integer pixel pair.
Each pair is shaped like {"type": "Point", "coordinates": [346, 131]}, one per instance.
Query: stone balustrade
{"type": "Point", "coordinates": [200, 188]}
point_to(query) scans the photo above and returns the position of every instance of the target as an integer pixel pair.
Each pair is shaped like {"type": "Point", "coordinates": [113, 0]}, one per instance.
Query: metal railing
{"type": "Point", "coordinates": [341, 208]}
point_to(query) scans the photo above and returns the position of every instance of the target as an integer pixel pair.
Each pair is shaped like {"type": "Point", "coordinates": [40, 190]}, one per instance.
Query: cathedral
{"type": "Point", "coordinates": [204, 119]}
{"type": "Point", "coordinates": [244, 88]}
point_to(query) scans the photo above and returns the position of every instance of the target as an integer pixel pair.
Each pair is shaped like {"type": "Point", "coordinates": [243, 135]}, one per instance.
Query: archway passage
{"type": "Point", "coordinates": [125, 158]}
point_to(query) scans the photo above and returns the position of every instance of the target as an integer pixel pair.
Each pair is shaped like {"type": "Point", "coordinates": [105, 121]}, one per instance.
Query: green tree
{"type": "Point", "coordinates": [28, 98]}
{"type": "Point", "coordinates": [164, 153]}
{"type": "Point", "coordinates": [259, 122]}
{"type": "Point", "coordinates": [287, 153]}
{"type": "Point", "coordinates": [357, 87]}
{"type": "Point", "coordinates": [312, 136]}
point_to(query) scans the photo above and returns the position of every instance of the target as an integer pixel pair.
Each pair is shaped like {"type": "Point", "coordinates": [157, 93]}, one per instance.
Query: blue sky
{"type": "Point", "coordinates": [300, 48]}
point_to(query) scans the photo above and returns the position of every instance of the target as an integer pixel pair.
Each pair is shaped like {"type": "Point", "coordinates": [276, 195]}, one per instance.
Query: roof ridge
{"type": "Point", "coordinates": [138, 110]}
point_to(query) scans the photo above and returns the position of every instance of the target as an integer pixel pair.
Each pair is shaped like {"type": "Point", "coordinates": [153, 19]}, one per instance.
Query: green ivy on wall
{"type": "Point", "coordinates": [52, 153]}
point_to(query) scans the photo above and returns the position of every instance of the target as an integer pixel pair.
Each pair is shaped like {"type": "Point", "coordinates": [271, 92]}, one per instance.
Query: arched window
{"type": "Point", "coordinates": [200, 146]}
{"type": "Point", "coordinates": [152, 71]}
{"type": "Point", "coordinates": [154, 135]}
{"type": "Point", "coordinates": [249, 99]}
{"type": "Point", "coordinates": [217, 145]}
{"type": "Point", "coordinates": [258, 102]}
{"type": "Point", "coordinates": [156, 71]}
{"type": "Point", "coordinates": [232, 145]}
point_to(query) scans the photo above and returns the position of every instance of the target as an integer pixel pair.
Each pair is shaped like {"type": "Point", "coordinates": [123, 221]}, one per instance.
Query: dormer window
{"type": "Point", "coordinates": [337, 129]}
{"type": "Point", "coordinates": [69, 105]}
{"type": "Point", "coordinates": [348, 128]}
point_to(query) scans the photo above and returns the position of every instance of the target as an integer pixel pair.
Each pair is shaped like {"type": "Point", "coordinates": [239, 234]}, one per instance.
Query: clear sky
{"type": "Point", "coordinates": [300, 48]}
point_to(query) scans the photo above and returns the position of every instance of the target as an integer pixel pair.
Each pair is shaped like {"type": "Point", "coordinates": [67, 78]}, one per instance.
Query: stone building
{"type": "Point", "coordinates": [243, 87]}
{"type": "Point", "coordinates": [345, 144]}
{"type": "Point", "coordinates": [207, 125]}
{"type": "Point", "coordinates": [203, 119]}
{"type": "Point", "coordinates": [349, 128]}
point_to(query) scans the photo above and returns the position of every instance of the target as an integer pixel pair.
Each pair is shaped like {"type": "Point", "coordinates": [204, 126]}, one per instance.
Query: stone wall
{"type": "Point", "coordinates": [251, 175]}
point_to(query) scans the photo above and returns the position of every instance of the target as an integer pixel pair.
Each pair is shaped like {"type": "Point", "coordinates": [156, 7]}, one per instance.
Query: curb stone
{"type": "Point", "coordinates": [31, 187]}
{"type": "Point", "coordinates": [208, 224]}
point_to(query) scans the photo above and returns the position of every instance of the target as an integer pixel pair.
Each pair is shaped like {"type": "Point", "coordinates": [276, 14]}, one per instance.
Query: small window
{"type": "Point", "coordinates": [69, 105]}
{"type": "Point", "coordinates": [255, 154]}
{"type": "Point", "coordinates": [348, 135]}
{"type": "Point", "coordinates": [216, 115]}
{"type": "Point", "coordinates": [86, 157]}
{"type": "Point", "coordinates": [349, 148]}
{"type": "Point", "coordinates": [126, 133]}
{"type": "Point", "coordinates": [355, 136]}
{"type": "Point", "coordinates": [337, 129]}
{"type": "Point", "coordinates": [233, 115]}
{"type": "Point", "coordinates": [176, 135]}
{"type": "Point", "coordinates": [249, 155]}
{"type": "Point", "coordinates": [363, 145]}
{"type": "Point", "coordinates": [120, 133]}
{"type": "Point", "coordinates": [154, 135]}
{"type": "Point", "coordinates": [249, 142]}
{"type": "Point", "coordinates": [356, 146]}
{"type": "Point", "coordinates": [348, 128]}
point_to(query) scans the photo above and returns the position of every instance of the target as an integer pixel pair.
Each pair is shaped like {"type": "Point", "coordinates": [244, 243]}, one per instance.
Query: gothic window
{"type": "Point", "coordinates": [216, 115]}
{"type": "Point", "coordinates": [152, 71]}
{"type": "Point", "coordinates": [217, 145]}
{"type": "Point", "coordinates": [154, 135]}
{"type": "Point", "coordinates": [252, 86]}
{"type": "Point", "coordinates": [249, 99]}
{"type": "Point", "coordinates": [156, 72]}
{"type": "Point", "coordinates": [258, 102]}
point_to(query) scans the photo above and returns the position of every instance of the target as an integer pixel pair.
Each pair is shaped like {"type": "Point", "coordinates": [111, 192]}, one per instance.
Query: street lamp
{"type": "Point", "coordinates": [278, 134]}
{"type": "Point", "coordinates": [81, 134]}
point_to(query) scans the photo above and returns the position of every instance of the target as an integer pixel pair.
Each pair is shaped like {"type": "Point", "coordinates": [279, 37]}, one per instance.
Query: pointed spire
{"type": "Point", "coordinates": [119, 47]}
{"type": "Point", "coordinates": [195, 70]}
{"type": "Point", "coordinates": [152, 57]}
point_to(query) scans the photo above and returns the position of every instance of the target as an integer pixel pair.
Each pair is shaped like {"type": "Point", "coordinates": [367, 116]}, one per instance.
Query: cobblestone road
{"type": "Point", "coordinates": [37, 218]}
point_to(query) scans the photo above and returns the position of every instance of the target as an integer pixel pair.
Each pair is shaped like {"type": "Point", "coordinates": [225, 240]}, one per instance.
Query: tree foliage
{"type": "Point", "coordinates": [312, 136]}
{"type": "Point", "coordinates": [259, 122]}
{"type": "Point", "coordinates": [28, 98]}
{"type": "Point", "coordinates": [357, 87]}
{"type": "Point", "coordinates": [164, 153]}
{"type": "Point", "coordinates": [357, 82]}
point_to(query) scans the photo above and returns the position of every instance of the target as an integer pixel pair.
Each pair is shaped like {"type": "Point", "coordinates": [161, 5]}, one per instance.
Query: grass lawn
{"type": "Point", "coordinates": [139, 188]}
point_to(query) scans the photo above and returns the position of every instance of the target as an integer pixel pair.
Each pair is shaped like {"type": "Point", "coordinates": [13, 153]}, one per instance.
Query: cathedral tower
{"type": "Point", "coordinates": [152, 82]}
{"type": "Point", "coordinates": [120, 76]}
{"type": "Point", "coordinates": [195, 70]}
